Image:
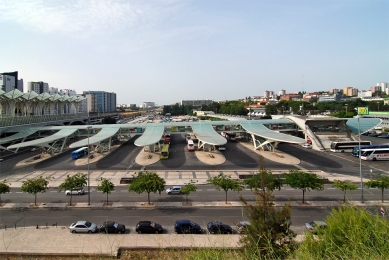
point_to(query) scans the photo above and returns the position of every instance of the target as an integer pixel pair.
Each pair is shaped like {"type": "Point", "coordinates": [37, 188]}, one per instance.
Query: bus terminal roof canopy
{"type": "Point", "coordinates": [257, 127]}
{"type": "Point", "coordinates": [151, 135]}
{"type": "Point", "coordinates": [365, 124]}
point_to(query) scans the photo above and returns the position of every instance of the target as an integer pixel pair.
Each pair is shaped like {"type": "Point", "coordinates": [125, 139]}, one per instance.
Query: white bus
{"type": "Point", "coordinates": [346, 146]}
{"type": "Point", "coordinates": [190, 145]}
{"type": "Point", "coordinates": [375, 154]}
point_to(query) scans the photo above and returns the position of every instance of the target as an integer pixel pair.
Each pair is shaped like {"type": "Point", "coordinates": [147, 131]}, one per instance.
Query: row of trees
{"type": "Point", "coordinates": [339, 109]}
{"type": "Point", "coordinates": [150, 182]}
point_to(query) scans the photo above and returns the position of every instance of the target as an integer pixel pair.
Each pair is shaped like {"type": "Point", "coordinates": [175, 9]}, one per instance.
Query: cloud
{"type": "Point", "coordinates": [84, 17]}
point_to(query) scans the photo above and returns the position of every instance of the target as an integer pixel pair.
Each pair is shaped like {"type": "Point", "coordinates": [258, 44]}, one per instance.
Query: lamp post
{"type": "Point", "coordinates": [88, 127]}
{"type": "Point", "coordinates": [360, 160]}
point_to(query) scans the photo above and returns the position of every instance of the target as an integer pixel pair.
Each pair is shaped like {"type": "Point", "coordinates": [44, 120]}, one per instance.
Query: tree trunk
{"type": "Point", "coordinates": [70, 198]}
{"type": "Point", "coordinates": [226, 197]}
{"type": "Point", "coordinates": [107, 198]}
{"type": "Point", "coordinates": [35, 200]}
{"type": "Point", "coordinates": [382, 195]}
{"type": "Point", "coordinates": [148, 197]}
{"type": "Point", "coordinates": [303, 195]}
{"type": "Point", "coordinates": [344, 197]}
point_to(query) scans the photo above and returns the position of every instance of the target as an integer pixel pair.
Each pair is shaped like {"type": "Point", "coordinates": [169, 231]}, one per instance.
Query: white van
{"type": "Point", "coordinates": [191, 145]}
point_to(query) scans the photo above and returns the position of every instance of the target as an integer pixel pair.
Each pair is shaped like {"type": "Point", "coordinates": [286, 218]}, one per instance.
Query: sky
{"type": "Point", "coordinates": [167, 51]}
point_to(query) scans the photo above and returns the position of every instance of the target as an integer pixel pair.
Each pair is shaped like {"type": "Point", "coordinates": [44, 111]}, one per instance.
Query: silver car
{"type": "Point", "coordinates": [83, 226]}
{"type": "Point", "coordinates": [75, 191]}
{"type": "Point", "coordinates": [174, 190]}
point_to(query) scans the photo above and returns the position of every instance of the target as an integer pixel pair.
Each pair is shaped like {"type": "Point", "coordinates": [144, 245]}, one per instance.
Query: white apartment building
{"type": "Point", "coordinates": [364, 94]}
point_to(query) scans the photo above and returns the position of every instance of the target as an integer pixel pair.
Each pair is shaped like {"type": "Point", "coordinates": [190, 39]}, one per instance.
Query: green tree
{"type": "Point", "coordinates": [4, 188]}
{"type": "Point", "coordinates": [76, 181]}
{"type": "Point", "coordinates": [188, 188]}
{"type": "Point", "coordinates": [34, 186]}
{"type": "Point", "coordinates": [266, 237]}
{"type": "Point", "coordinates": [147, 182]}
{"type": "Point", "coordinates": [304, 181]}
{"type": "Point", "coordinates": [226, 183]}
{"type": "Point", "coordinates": [344, 186]}
{"type": "Point", "coordinates": [105, 186]}
{"type": "Point", "coordinates": [264, 177]}
{"type": "Point", "coordinates": [381, 182]}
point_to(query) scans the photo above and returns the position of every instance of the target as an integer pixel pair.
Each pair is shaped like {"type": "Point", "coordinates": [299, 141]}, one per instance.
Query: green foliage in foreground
{"type": "Point", "coordinates": [352, 233]}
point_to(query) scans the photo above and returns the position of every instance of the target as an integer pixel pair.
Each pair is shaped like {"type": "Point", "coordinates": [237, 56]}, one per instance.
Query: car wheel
{"type": "Point", "coordinates": [156, 232]}
{"type": "Point", "coordinates": [67, 194]}
{"type": "Point", "coordinates": [89, 231]}
{"type": "Point", "coordinates": [73, 231]}
{"type": "Point", "coordinates": [78, 193]}
{"type": "Point", "coordinates": [139, 232]}
{"type": "Point", "coordinates": [169, 193]}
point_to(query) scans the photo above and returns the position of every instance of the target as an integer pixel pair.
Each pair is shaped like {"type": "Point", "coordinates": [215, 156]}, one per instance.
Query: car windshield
{"type": "Point", "coordinates": [115, 225]}
{"type": "Point", "coordinates": [88, 224]}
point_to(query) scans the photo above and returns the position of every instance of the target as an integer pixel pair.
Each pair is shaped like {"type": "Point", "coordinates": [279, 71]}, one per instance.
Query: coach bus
{"type": "Point", "coordinates": [191, 145]}
{"type": "Point", "coordinates": [79, 152]}
{"type": "Point", "coordinates": [355, 151]}
{"type": "Point", "coordinates": [165, 151]}
{"type": "Point", "coordinates": [377, 154]}
{"type": "Point", "coordinates": [346, 146]}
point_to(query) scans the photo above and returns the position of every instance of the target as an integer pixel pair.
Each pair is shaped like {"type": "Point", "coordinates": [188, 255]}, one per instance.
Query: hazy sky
{"type": "Point", "coordinates": [167, 51]}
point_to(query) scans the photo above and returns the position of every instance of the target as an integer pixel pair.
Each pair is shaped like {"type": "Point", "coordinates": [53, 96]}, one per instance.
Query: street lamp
{"type": "Point", "coordinates": [88, 127]}
{"type": "Point", "coordinates": [360, 160]}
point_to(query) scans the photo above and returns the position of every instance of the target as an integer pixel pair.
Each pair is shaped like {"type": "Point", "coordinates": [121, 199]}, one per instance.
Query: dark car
{"type": "Point", "coordinates": [148, 227]}
{"type": "Point", "coordinates": [185, 226]}
{"type": "Point", "coordinates": [215, 227]}
{"type": "Point", "coordinates": [383, 135]}
{"type": "Point", "coordinates": [112, 227]}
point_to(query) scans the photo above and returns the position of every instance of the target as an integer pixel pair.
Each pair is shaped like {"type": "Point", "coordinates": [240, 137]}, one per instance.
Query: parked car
{"type": "Point", "coordinates": [373, 134]}
{"type": "Point", "coordinates": [313, 226]}
{"type": "Point", "coordinates": [113, 227]}
{"type": "Point", "coordinates": [307, 146]}
{"type": "Point", "coordinates": [383, 135]}
{"type": "Point", "coordinates": [215, 227]}
{"type": "Point", "coordinates": [174, 190]}
{"type": "Point", "coordinates": [185, 226]}
{"type": "Point", "coordinates": [83, 226]}
{"type": "Point", "coordinates": [79, 191]}
{"type": "Point", "coordinates": [242, 226]}
{"type": "Point", "coordinates": [221, 147]}
{"type": "Point", "coordinates": [148, 227]}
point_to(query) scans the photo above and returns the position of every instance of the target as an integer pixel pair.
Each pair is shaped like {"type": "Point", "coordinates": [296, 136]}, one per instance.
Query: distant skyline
{"type": "Point", "coordinates": [167, 51]}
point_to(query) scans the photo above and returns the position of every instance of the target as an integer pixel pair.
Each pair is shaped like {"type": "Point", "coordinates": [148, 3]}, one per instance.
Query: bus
{"type": "Point", "coordinates": [346, 146]}
{"type": "Point", "coordinates": [79, 152]}
{"type": "Point", "coordinates": [377, 154]}
{"type": "Point", "coordinates": [165, 151]}
{"type": "Point", "coordinates": [355, 151]}
{"type": "Point", "coordinates": [191, 145]}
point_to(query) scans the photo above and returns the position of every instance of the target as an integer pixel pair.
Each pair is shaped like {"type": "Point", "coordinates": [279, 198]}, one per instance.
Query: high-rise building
{"type": "Point", "coordinates": [105, 101]}
{"type": "Point", "coordinates": [282, 92]}
{"type": "Point", "coordinates": [9, 81]}
{"type": "Point", "coordinates": [38, 87]}
{"type": "Point", "coordinates": [350, 91]}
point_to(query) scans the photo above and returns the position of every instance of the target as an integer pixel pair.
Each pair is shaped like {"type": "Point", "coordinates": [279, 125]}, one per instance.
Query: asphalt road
{"type": "Point", "coordinates": [205, 193]}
